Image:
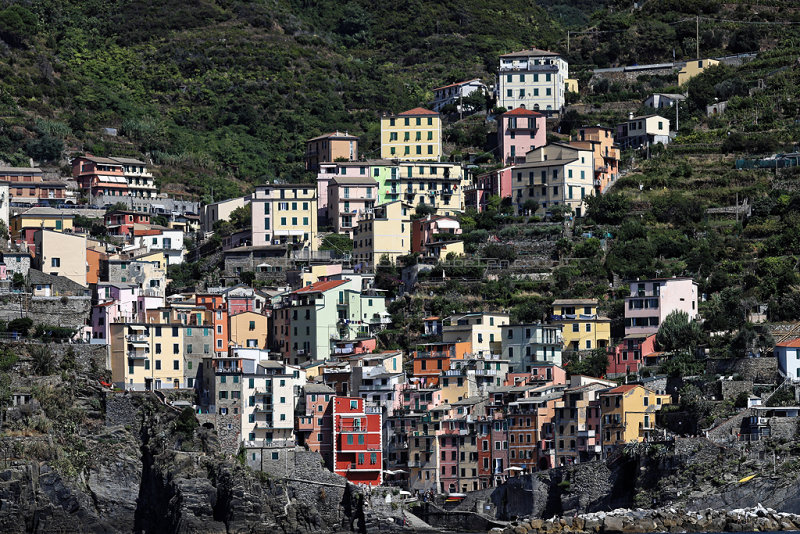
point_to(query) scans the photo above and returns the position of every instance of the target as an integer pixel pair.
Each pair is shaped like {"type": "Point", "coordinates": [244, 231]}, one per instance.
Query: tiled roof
{"type": "Point", "coordinates": [417, 111]}
{"type": "Point", "coordinates": [319, 287]}
{"type": "Point", "coordinates": [522, 111]}
{"type": "Point", "coordinates": [337, 133]}
{"type": "Point", "coordinates": [792, 343]}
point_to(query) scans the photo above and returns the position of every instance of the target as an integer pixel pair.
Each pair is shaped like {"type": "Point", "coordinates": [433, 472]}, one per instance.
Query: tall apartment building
{"type": "Point", "coordinates": [534, 79]}
{"type": "Point", "coordinates": [357, 441]}
{"type": "Point", "coordinates": [600, 140]}
{"type": "Point", "coordinates": [285, 214]}
{"type": "Point", "coordinates": [99, 176]}
{"type": "Point", "coordinates": [350, 199]}
{"type": "Point", "coordinates": [553, 175]}
{"type": "Point", "coordinates": [385, 232]}
{"type": "Point", "coordinates": [141, 183]}
{"type": "Point", "coordinates": [651, 301]}
{"type": "Point", "coordinates": [415, 134]}
{"type": "Point", "coordinates": [148, 356]}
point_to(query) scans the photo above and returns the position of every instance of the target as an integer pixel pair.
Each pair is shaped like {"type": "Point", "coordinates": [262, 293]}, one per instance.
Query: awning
{"type": "Point", "coordinates": [137, 327]}
{"type": "Point", "coordinates": [513, 468]}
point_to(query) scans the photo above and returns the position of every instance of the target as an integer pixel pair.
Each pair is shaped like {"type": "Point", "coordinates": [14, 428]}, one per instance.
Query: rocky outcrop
{"type": "Point", "coordinates": [625, 521]}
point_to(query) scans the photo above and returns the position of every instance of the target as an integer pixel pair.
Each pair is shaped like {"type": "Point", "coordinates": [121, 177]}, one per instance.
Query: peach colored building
{"type": "Point", "coordinates": [330, 147]}
{"type": "Point", "coordinates": [349, 199]}
{"type": "Point", "coordinates": [518, 132]}
{"type": "Point", "coordinates": [600, 140]}
{"type": "Point", "coordinates": [26, 184]}
{"type": "Point", "coordinates": [99, 176]}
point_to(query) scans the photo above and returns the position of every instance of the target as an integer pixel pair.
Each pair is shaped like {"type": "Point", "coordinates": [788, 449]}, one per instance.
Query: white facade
{"type": "Point", "coordinates": [663, 100]}
{"type": "Point", "coordinates": [453, 93]}
{"type": "Point", "coordinates": [220, 211]}
{"type": "Point", "coordinates": [788, 355]}
{"type": "Point", "coordinates": [533, 79]}
{"type": "Point", "coordinates": [169, 241]}
{"type": "Point", "coordinates": [527, 344]}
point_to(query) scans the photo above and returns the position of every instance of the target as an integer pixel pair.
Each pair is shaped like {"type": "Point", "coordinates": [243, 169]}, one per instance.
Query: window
{"type": "Point", "coordinates": [55, 262]}
{"type": "Point", "coordinates": [588, 327]}
{"type": "Point", "coordinates": [354, 405]}
{"type": "Point", "coordinates": [576, 327]}
{"type": "Point", "coordinates": [158, 365]}
{"type": "Point", "coordinates": [158, 348]}
{"type": "Point", "coordinates": [176, 348]}
{"type": "Point", "coordinates": [176, 365]}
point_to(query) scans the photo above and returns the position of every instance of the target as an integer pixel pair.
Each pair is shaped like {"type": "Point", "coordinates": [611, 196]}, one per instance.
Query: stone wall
{"type": "Point", "coordinates": [731, 389]}
{"type": "Point", "coordinates": [758, 370]}
{"type": "Point", "coordinates": [120, 409]}
{"type": "Point", "coordinates": [71, 312]}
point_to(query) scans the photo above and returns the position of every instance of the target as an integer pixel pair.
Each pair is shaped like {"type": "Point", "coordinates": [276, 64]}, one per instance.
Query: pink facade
{"type": "Point", "coordinates": [348, 200]}
{"type": "Point", "coordinates": [519, 131]}
{"type": "Point", "coordinates": [122, 222]}
{"type": "Point", "coordinates": [629, 355]}
{"type": "Point", "coordinates": [329, 171]}
{"type": "Point", "coordinates": [651, 301]}
{"type": "Point", "coordinates": [494, 183]}
{"type": "Point", "coordinates": [425, 230]}
{"type": "Point", "coordinates": [118, 304]}
{"type": "Point", "coordinates": [541, 373]}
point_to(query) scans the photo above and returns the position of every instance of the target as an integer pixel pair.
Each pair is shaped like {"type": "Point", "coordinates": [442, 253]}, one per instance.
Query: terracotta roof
{"type": "Point", "coordinates": [792, 343]}
{"type": "Point", "coordinates": [457, 83]}
{"type": "Point", "coordinates": [620, 389]}
{"type": "Point", "coordinates": [318, 287]}
{"type": "Point", "coordinates": [530, 52]}
{"type": "Point", "coordinates": [434, 318]}
{"type": "Point", "coordinates": [417, 111]}
{"type": "Point", "coordinates": [522, 111]}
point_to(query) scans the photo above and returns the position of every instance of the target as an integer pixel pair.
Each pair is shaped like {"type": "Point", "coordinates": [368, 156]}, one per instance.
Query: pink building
{"type": "Point", "coordinates": [119, 303]}
{"type": "Point", "coordinates": [349, 198]}
{"type": "Point", "coordinates": [494, 183]}
{"type": "Point", "coordinates": [329, 171]}
{"type": "Point", "coordinates": [542, 373]}
{"type": "Point", "coordinates": [426, 230]}
{"type": "Point", "coordinates": [518, 132]}
{"type": "Point", "coordinates": [629, 355]}
{"type": "Point", "coordinates": [651, 301]}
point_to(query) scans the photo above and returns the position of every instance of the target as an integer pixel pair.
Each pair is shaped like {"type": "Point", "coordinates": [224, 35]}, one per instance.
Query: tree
{"type": "Point", "coordinates": [42, 360]}
{"type": "Point", "coordinates": [241, 217]}
{"type": "Point", "coordinates": [678, 333]}
{"type": "Point", "coordinates": [611, 208]}
{"type": "Point", "coordinates": [595, 364]}
{"type": "Point", "coordinates": [45, 148]}
{"type": "Point", "coordinates": [423, 210]}
{"type": "Point", "coordinates": [337, 242]}
{"type": "Point", "coordinates": [16, 24]}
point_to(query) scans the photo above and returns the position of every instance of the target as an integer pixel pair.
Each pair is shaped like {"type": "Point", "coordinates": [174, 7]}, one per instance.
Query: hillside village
{"type": "Point", "coordinates": [332, 315]}
{"type": "Point", "coordinates": [546, 265]}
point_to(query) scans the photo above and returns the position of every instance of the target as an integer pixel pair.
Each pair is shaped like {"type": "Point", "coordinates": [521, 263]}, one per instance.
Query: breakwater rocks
{"type": "Point", "coordinates": [661, 520]}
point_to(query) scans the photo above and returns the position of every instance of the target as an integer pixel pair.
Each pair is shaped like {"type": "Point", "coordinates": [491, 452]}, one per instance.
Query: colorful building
{"type": "Point", "coordinates": [23, 225]}
{"type": "Point", "coordinates": [415, 134]}
{"type": "Point", "coordinates": [357, 441]}
{"type": "Point", "coordinates": [383, 233]}
{"type": "Point", "coordinates": [493, 183]}
{"type": "Point", "coordinates": [350, 199]}
{"type": "Point", "coordinates": [122, 223]}
{"type": "Point", "coordinates": [249, 329]}
{"type": "Point", "coordinates": [330, 147]}
{"type": "Point", "coordinates": [519, 131]}
{"type": "Point", "coordinates": [651, 301]}
{"type": "Point", "coordinates": [693, 68]}
{"type": "Point", "coordinates": [483, 331]}
{"type": "Point", "coordinates": [100, 176]}
{"type": "Point", "coordinates": [454, 94]}
{"type": "Point", "coordinates": [534, 79]}
{"type": "Point", "coordinates": [583, 327]}
{"type": "Point", "coordinates": [629, 414]}
{"type": "Point", "coordinates": [61, 254]}
{"type": "Point", "coordinates": [525, 345]}
{"type": "Point", "coordinates": [600, 141]}
{"type": "Point", "coordinates": [284, 214]}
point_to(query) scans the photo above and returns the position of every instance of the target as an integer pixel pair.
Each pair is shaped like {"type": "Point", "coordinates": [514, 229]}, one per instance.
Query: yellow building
{"type": "Point", "coordinates": [285, 214]}
{"type": "Point", "coordinates": [415, 134]}
{"type": "Point", "coordinates": [571, 85]}
{"type": "Point", "coordinates": [440, 185]}
{"type": "Point", "coordinates": [23, 224]}
{"type": "Point", "coordinates": [147, 356]}
{"type": "Point", "coordinates": [481, 330]}
{"type": "Point", "coordinates": [61, 254]}
{"type": "Point", "coordinates": [249, 329]}
{"type": "Point", "coordinates": [693, 68]}
{"type": "Point", "coordinates": [583, 328]}
{"type": "Point", "coordinates": [386, 231]}
{"type": "Point", "coordinates": [628, 414]}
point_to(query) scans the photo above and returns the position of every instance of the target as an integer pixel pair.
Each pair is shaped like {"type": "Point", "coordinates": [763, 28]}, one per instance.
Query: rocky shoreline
{"type": "Point", "coordinates": [660, 520]}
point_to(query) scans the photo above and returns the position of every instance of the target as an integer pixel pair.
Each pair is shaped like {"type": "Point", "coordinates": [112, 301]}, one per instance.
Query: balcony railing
{"type": "Point", "coordinates": [137, 338]}
{"type": "Point", "coordinates": [137, 355]}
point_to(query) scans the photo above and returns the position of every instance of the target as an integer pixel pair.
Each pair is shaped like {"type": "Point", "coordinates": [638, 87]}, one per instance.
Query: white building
{"type": "Point", "coordinates": [639, 132]}
{"type": "Point", "coordinates": [788, 355]}
{"type": "Point", "coordinates": [663, 100]}
{"type": "Point", "coordinates": [220, 211]}
{"type": "Point", "coordinates": [533, 79]}
{"type": "Point", "coordinates": [525, 345]}
{"type": "Point", "coordinates": [453, 93]}
{"type": "Point", "coordinates": [170, 242]}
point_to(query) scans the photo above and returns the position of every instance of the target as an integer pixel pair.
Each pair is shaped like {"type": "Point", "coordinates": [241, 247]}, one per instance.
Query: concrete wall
{"type": "Point", "coordinates": [56, 311]}
{"type": "Point", "coordinates": [759, 370]}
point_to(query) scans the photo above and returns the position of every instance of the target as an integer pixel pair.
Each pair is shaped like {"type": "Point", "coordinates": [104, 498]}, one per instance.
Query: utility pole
{"type": "Point", "coordinates": [677, 105]}
{"type": "Point", "coordinates": [567, 41]}
{"type": "Point", "coordinates": [697, 35]}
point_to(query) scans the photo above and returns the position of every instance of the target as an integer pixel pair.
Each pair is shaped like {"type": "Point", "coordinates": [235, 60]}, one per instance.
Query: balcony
{"type": "Point", "coordinates": [270, 443]}
{"type": "Point", "coordinates": [434, 354]}
{"type": "Point", "coordinates": [263, 408]}
{"type": "Point", "coordinates": [586, 433]}
{"type": "Point", "coordinates": [137, 355]}
{"type": "Point", "coordinates": [137, 338]}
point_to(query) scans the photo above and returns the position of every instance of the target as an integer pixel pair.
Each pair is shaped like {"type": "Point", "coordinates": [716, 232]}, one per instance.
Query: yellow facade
{"type": "Point", "coordinates": [283, 214]}
{"type": "Point", "coordinates": [629, 414]}
{"type": "Point", "coordinates": [693, 68]}
{"type": "Point", "coordinates": [412, 135]}
{"type": "Point", "coordinates": [147, 356]}
{"type": "Point", "coordinates": [40, 218]}
{"type": "Point", "coordinates": [61, 254]}
{"type": "Point", "coordinates": [583, 328]}
{"type": "Point", "coordinates": [571, 85]}
{"type": "Point", "coordinates": [249, 329]}
{"type": "Point", "coordinates": [386, 232]}
{"type": "Point", "coordinates": [440, 185]}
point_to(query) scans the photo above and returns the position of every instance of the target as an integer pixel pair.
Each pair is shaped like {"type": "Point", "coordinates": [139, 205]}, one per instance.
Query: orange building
{"type": "Point", "coordinates": [434, 358]}
{"type": "Point", "coordinates": [600, 141]}
{"type": "Point", "coordinates": [93, 260]}
{"type": "Point", "coordinates": [216, 303]}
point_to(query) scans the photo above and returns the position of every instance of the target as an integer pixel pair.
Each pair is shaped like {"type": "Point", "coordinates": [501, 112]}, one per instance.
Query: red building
{"type": "Point", "coordinates": [357, 441]}
{"type": "Point", "coordinates": [494, 183]}
{"type": "Point", "coordinates": [629, 355]}
{"type": "Point", "coordinates": [216, 303]}
{"type": "Point", "coordinates": [120, 222]}
{"type": "Point", "coordinates": [99, 176]}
